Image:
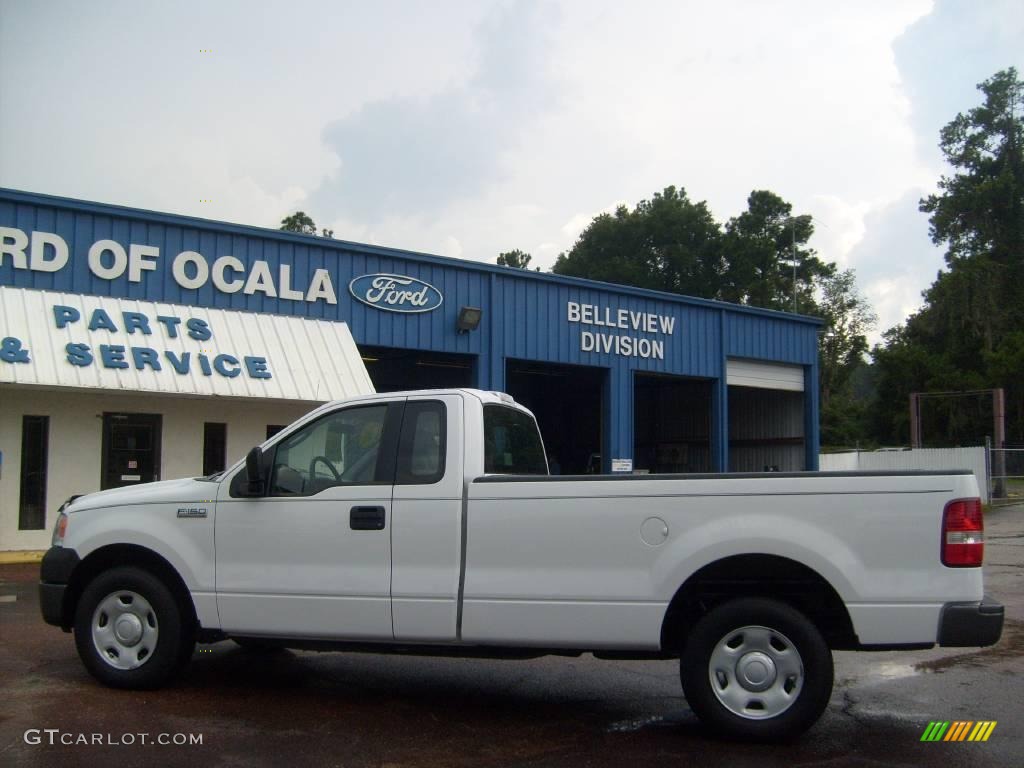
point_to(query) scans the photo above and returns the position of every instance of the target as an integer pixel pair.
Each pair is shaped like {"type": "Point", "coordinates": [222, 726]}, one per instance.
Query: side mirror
{"type": "Point", "coordinates": [254, 471]}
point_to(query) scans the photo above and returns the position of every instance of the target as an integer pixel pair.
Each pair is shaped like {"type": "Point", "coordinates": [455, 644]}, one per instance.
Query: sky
{"type": "Point", "coordinates": [467, 128]}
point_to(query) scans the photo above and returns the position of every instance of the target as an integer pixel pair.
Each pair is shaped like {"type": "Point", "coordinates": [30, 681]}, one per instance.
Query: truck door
{"type": "Point", "coordinates": [426, 533]}
{"type": "Point", "coordinates": [313, 557]}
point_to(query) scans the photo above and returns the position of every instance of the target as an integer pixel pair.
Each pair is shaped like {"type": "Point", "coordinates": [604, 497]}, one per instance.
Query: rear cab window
{"type": "Point", "coordinates": [512, 444]}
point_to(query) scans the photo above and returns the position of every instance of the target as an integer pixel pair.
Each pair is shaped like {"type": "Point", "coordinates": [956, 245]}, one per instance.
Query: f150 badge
{"type": "Point", "coordinates": [191, 511]}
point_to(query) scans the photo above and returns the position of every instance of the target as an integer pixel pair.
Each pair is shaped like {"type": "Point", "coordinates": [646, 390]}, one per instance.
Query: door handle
{"type": "Point", "coordinates": [366, 519]}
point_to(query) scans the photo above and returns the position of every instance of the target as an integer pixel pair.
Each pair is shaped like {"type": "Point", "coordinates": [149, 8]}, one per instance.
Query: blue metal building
{"type": "Point", "coordinates": [621, 378]}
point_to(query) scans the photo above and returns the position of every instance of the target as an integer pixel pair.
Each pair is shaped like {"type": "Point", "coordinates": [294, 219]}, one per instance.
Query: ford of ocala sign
{"type": "Point", "coordinates": [396, 293]}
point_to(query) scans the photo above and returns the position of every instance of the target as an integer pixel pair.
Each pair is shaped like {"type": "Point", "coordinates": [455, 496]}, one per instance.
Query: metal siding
{"type": "Point", "coordinates": [428, 331]}
{"type": "Point", "coordinates": [533, 305]}
{"type": "Point", "coordinates": [532, 324]}
{"type": "Point", "coordinates": [758, 419]}
{"type": "Point", "coordinates": [751, 420]}
{"type": "Point", "coordinates": [769, 338]}
{"type": "Point", "coordinates": [524, 313]}
{"type": "Point", "coordinates": [812, 424]}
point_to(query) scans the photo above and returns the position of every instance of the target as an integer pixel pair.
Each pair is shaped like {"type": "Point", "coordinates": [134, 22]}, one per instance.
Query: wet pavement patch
{"type": "Point", "coordinates": [1010, 645]}
{"type": "Point", "coordinates": [639, 723]}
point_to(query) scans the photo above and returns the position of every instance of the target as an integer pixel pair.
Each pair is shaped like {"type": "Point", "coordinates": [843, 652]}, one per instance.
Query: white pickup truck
{"type": "Point", "coordinates": [426, 522]}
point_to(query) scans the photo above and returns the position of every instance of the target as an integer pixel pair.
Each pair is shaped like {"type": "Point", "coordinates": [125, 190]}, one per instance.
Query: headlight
{"type": "Point", "coordinates": [59, 530]}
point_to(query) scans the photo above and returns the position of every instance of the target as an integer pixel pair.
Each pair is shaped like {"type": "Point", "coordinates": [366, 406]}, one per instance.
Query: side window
{"type": "Point", "coordinates": [512, 443]}
{"type": "Point", "coordinates": [422, 447]}
{"type": "Point", "coordinates": [342, 448]}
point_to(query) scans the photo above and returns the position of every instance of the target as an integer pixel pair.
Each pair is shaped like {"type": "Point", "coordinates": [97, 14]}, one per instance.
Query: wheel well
{"type": "Point", "coordinates": [758, 575]}
{"type": "Point", "coordinates": [115, 555]}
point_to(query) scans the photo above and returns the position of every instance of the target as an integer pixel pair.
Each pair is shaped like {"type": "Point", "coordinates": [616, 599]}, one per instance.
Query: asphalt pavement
{"type": "Point", "coordinates": [348, 709]}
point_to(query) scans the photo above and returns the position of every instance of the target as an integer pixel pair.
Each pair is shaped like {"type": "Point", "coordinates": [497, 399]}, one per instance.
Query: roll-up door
{"type": "Point", "coordinates": [748, 373]}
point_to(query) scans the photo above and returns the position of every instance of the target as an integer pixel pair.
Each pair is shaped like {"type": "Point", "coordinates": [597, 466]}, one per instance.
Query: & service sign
{"type": "Point", "coordinates": [396, 293]}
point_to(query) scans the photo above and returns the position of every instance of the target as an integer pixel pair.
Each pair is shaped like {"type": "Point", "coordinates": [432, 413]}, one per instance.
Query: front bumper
{"type": "Point", "coordinates": [54, 576]}
{"type": "Point", "coordinates": [971, 625]}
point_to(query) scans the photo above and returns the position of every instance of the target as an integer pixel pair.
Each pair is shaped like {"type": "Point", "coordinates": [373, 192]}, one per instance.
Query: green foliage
{"type": "Point", "coordinates": [668, 243]}
{"type": "Point", "coordinates": [980, 210]}
{"type": "Point", "coordinates": [842, 344]}
{"type": "Point", "coordinates": [967, 336]}
{"type": "Point", "coordinates": [515, 258]}
{"type": "Point", "coordinates": [301, 223]}
{"type": "Point", "coordinates": [762, 244]}
{"type": "Point", "coordinates": [671, 243]}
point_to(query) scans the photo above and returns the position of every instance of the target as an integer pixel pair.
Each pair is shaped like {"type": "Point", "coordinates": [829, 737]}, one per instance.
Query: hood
{"type": "Point", "coordinates": [186, 490]}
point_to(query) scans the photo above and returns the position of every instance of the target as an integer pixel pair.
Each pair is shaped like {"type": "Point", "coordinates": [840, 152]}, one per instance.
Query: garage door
{"type": "Point", "coordinates": [748, 373]}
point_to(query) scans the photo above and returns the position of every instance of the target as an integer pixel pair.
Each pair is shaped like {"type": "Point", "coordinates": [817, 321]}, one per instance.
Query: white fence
{"type": "Point", "coordinates": [921, 458]}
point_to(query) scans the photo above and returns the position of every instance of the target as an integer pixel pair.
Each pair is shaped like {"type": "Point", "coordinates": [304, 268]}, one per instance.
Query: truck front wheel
{"type": "Point", "coordinates": [757, 669]}
{"type": "Point", "coordinates": [129, 629]}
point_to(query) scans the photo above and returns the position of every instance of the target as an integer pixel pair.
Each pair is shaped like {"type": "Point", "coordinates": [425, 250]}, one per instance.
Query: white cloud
{"type": "Point", "coordinates": [895, 261]}
{"type": "Point", "coordinates": [452, 247]}
{"type": "Point", "coordinates": [574, 227]}
{"type": "Point", "coordinates": [474, 128]}
{"type": "Point", "coordinates": [413, 156]}
{"type": "Point", "coordinates": [839, 226]}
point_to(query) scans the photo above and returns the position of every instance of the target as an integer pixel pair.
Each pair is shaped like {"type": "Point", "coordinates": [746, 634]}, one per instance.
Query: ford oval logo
{"type": "Point", "coordinates": [396, 293]}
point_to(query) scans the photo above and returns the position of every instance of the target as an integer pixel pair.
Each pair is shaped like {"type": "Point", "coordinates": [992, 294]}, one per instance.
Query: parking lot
{"type": "Point", "coordinates": [304, 708]}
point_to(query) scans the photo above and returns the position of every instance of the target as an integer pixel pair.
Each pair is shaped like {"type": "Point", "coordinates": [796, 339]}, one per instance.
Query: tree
{"type": "Point", "coordinates": [848, 319]}
{"type": "Point", "coordinates": [979, 215]}
{"type": "Point", "coordinates": [842, 344]}
{"type": "Point", "coordinates": [761, 244]}
{"type": "Point", "coordinates": [980, 210]}
{"type": "Point", "coordinates": [301, 223]}
{"type": "Point", "coordinates": [668, 243]}
{"type": "Point", "coordinates": [515, 258]}
{"type": "Point", "coordinates": [967, 335]}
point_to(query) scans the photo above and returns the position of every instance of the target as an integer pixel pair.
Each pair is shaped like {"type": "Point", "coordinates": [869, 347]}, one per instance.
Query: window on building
{"type": "Point", "coordinates": [273, 429]}
{"type": "Point", "coordinates": [215, 446]}
{"type": "Point", "coordinates": [35, 439]}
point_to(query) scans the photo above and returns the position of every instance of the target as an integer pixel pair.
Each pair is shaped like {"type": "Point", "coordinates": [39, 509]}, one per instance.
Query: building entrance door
{"type": "Point", "coordinates": [131, 448]}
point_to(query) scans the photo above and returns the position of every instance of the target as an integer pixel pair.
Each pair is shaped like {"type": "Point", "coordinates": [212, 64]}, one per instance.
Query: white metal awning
{"type": "Point", "coordinates": [750, 373]}
{"type": "Point", "coordinates": [92, 342]}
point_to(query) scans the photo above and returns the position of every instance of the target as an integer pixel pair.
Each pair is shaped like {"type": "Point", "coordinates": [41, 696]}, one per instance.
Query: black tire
{"type": "Point", "coordinates": [717, 653]}
{"type": "Point", "coordinates": [166, 636]}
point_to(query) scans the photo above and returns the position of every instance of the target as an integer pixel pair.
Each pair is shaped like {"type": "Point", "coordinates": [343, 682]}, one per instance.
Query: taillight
{"type": "Point", "coordinates": [963, 534]}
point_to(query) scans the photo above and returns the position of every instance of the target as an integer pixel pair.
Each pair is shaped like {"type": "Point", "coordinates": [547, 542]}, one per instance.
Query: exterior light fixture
{"type": "Point", "coordinates": [469, 319]}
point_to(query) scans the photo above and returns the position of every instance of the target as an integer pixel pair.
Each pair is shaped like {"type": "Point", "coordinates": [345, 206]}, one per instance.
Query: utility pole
{"type": "Point", "coordinates": [999, 463]}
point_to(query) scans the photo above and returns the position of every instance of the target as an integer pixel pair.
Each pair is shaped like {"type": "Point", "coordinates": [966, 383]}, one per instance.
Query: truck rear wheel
{"type": "Point", "coordinates": [757, 669]}
{"type": "Point", "coordinates": [129, 629]}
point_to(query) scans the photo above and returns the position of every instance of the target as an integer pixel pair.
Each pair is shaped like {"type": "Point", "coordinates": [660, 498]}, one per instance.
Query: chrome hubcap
{"type": "Point", "coordinates": [756, 672]}
{"type": "Point", "coordinates": [128, 629]}
{"type": "Point", "coordinates": [124, 630]}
